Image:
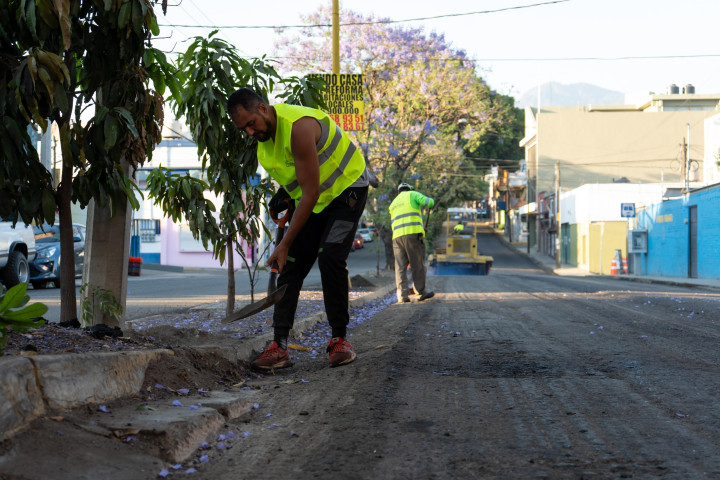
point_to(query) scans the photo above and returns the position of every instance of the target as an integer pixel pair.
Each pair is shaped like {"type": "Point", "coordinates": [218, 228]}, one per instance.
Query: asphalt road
{"type": "Point", "coordinates": [513, 375]}
{"type": "Point", "coordinates": [157, 291]}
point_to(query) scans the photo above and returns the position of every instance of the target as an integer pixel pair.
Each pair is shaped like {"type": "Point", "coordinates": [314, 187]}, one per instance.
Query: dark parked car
{"type": "Point", "coordinates": [45, 269]}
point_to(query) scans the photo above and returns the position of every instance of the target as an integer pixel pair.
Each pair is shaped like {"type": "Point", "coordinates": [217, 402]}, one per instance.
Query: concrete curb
{"type": "Point", "coordinates": [622, 277]}
{"type": "Point", "coordinates": [31, 387]}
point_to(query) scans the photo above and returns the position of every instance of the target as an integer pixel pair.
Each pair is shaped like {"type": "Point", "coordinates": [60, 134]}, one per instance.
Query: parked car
{"type": "Point", "coordinates": [17, 248]}
{"type": "Point", "coordinates": [358, 242]}
{"type": "Point", "coordinates": [45, 269]}
{"type": "Point", "coordinates": [366, 234]}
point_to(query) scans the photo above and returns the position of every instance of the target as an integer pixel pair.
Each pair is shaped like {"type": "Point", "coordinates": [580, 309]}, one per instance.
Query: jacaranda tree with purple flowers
{"type": "Point", "coordinates": [423, 100]}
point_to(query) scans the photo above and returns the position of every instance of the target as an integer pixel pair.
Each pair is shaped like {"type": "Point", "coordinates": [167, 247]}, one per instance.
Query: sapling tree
{"type": "Point", "coordinates": [209, 71]}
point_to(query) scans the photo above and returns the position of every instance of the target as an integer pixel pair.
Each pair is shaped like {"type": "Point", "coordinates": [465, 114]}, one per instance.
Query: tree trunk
{"type": "Point", "coordinates": [68, 300]}
{"type": "Point", "coordinates": [230, 306]}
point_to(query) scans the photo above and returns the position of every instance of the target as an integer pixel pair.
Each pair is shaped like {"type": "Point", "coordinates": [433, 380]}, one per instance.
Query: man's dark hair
{"type": "Point", "coordinates": [246, 98]}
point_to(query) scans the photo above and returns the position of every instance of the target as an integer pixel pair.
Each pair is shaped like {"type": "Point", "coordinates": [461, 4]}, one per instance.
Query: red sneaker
{"type": "Point", "coordinates": [272, 357]}
{"type": "Point", "coordinates": [341, 352]}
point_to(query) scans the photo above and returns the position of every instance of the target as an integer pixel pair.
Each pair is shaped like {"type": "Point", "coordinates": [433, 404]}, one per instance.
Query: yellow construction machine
{"type": "Point", "coordinates": [460, 254]}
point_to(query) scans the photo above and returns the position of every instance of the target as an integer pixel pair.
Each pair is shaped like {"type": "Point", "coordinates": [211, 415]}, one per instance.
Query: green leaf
{"type": "Point", "coordinates": [124, 15]}
{"type": "Point", "coordinates": [110, 128]}
{"type": "Point", "coordinates": [30, 18]}
{"type": "Point", "coordinates": [48, 204]}
{"type": "Point", "coordinates": [13, 297]}
{"type": "Point", "coordinates": [186, 188]}
{"type": "Point", "coordinates": [26, 314]}
{"type": "Point", "coordinates": [154, 28]}
{"type": "Point", "coordinates": [61, 100]}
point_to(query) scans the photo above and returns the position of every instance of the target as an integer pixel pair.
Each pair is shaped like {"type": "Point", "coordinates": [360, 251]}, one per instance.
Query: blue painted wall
{"type": "Point", "coordinates": [669, 232]}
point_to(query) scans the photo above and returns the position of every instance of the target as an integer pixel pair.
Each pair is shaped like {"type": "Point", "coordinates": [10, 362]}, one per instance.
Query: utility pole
{"type": "Point", "coordinates": [683, 168]}
{"type": "Point", "coordinates": [336, 36]}
{"type": "Point", "coordinates": [558, 231]}
{"type": "Point", "coordinates": [687, 161]}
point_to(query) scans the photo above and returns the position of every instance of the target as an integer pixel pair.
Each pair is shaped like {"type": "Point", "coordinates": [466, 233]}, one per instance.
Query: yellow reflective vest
{"type": "Point", "coordinates": [341, 163]}
{"type": "Point", "coordinates": [405, 215]}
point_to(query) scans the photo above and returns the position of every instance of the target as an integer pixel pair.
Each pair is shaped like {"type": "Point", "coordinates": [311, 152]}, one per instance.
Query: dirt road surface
{"type": "Point", "coordinates": [514, 375]}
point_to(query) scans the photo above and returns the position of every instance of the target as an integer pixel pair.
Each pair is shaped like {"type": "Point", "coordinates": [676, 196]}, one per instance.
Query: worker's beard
{"type": "Point", "coordinates": [264, 135]}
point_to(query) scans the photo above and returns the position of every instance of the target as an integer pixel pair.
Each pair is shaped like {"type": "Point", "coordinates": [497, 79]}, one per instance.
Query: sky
{"type": "Point", "coordinates": [631, 46]}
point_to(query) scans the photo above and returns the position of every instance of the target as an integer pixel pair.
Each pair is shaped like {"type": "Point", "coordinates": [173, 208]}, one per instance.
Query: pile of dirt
{"type": "Point", "coordinates": [192, 369]}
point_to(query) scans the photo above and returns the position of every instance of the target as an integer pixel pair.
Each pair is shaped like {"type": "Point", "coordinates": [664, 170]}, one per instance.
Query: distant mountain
{"type": "Point", "coordinates": [559, 95]}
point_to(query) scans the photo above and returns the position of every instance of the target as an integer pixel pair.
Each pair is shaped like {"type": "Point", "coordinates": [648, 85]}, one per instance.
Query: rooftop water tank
{"type": "Point", "coordinates": [673, 89]}
{"type": "Point", "coordinates": [689, 88]}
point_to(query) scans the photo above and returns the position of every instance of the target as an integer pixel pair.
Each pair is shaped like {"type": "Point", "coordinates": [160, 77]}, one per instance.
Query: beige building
{"type": "Point", "coordinates": [642, 143]}
{"type": "Point", "coordinates": [604, 143]}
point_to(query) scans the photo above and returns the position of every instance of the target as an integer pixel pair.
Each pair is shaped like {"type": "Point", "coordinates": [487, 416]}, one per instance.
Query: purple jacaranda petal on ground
{"type": "Point", "coordinates": [177, 466]}
{"type": "Point", "coordinates": [104, 409]}
{"type": "Point", "coordinates": [177, 403]}
{"type": "Point", "coordinates": [204, 459]}
{"type": "Point", "coordinates": [220, 446]}
{"type": "Point", "coordinates": [183, 391]}
{"type": "Point", "coordinates": [163, 473]}
{"type": "Point", "coordinates": [190, 470]}
{"type": "Point", "coordinates": [193, 407]}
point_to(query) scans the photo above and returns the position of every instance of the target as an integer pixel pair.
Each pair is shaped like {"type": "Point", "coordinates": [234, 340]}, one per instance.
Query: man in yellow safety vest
{"type": "Point", "coordinates": [325, 177]}
{"type": "Point", "coordinates": [409, 241]}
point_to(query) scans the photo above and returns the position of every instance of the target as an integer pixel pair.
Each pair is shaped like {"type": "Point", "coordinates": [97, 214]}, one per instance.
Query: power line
{"type": "Point", "coordinates": [378, 22]}
{"type": "Point", "coordinates": [604, 59]}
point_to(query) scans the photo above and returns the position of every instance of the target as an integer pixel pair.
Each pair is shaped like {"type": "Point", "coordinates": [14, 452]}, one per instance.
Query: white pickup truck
{"type": "Point", "coordinates": [17, 248]}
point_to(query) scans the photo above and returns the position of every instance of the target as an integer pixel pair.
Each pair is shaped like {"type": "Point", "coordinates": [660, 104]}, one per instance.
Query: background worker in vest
{"type": "Point", "coordinates": [324, 175]}
{"type": "Point", "coordinates": [409, 241]}
{"type": "Point", "coordinates": [459, 228]}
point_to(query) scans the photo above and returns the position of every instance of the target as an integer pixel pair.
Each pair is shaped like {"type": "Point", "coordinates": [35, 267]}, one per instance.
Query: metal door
{"type": "Point", "coordinates": [692, 243]}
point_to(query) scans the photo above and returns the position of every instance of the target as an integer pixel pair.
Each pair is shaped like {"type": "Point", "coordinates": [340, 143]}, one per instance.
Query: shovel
{"type": "Point", "coordinates": [274, 293]}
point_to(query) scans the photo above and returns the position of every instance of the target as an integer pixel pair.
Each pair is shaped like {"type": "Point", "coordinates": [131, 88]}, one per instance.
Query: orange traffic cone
{"type": "Point", "coordinates": [613, 267]}
{"type": "Point", "coordinates": [624, 266]}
